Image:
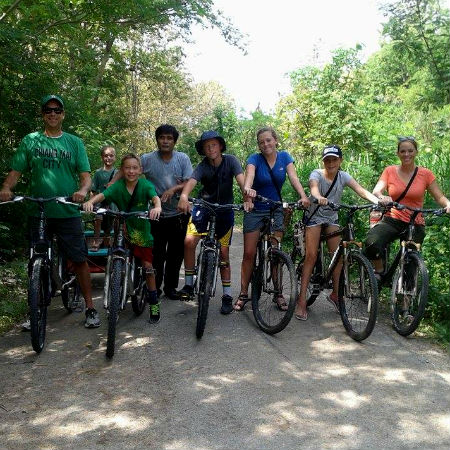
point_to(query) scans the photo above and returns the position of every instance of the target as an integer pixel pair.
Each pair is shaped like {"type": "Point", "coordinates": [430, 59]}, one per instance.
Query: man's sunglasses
{"type": "Point", "coordinates": [48, 110]}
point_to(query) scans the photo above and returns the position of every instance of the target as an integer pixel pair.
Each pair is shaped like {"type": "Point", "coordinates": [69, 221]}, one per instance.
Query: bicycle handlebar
{"type": "Point", "coordinates": [215, 206]}
{"type": "Point", "coordinates": [400, 207]}
{"type": "Point", "coordinates": [278, 204]}
{"type": "Point", "coordinates": [21, 198]}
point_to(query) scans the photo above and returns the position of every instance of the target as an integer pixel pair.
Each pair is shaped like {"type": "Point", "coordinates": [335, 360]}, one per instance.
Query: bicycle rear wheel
{"type": "Point", "coordinates": [409, 294]}
{"type": "Point", "coordinates": [273, 280]}
{"type": "Point", "coordinates": [37, 302]}
{"type": "Point", "coordinates": [114, 304]}
{"type": "Point", "coordinates": [204, 291]}
{"type": "Point", "coordinates": [358, 296]}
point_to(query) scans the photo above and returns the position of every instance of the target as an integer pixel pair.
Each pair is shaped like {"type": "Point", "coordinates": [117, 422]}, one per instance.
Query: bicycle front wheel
{"type": "Point", "coordinates": [204, 291]}
{"type": "Point", "coordinates": [274, 291]}
{"type": "Point", "coordinates": [358, 296]}
{"type": "Point", "coordinates": [37, 302]}
{"type": "Point", "coordinates": [115, 294]}
{"type": "Point", "coordinates": [409, 294]}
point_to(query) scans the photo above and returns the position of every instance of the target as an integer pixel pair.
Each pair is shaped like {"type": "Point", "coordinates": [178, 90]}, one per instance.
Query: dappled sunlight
{"type": "Point", "coordinates": [137, 342]}
{"type": "Point", "coordinates": [76, 422]}
{"type": "Point", "coordinates": [396, 375]}
{"type": "Point", "coordinates": [330, 347]}
{"type": "Point", "coordinates": [445, 376]}
{"type": "Point", "coordinates": [346, 399]}
{"type": "Point", "coordinates": [212, 399]}
{"type": "Point", "coordinates": [443, 422]}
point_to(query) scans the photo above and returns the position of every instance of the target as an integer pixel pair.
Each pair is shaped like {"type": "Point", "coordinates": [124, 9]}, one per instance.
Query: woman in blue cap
{"type": "Point", "coordinates": [215, 173]}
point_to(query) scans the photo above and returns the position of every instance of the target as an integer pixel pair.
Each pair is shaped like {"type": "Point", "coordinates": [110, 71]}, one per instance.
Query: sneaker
{"type": "Point", "coordinates": [172, 293]}
{"type": "Point", "coordinates": [155, 313]}
{"type": "Point", "coordinates": [187, 292]}
{"type": "Point", "coordinates": [92, 318]}
{"type": "Point", "coordinates": [26, 326]}
{"type": "Point", "coordinates": [227, 304]}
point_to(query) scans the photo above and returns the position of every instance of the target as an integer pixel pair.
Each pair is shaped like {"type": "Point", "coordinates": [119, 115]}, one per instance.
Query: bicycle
{"type": "Point", "coordinates": [208, 262]}
{"type": "Point", "coordinates": [273, 276]}
{"type": "Point", "coordinates": [409, 277]}
{"type": "Point", "coordinates": [358, 292]}
{"type": "Point", "coordinates": [44, 275]}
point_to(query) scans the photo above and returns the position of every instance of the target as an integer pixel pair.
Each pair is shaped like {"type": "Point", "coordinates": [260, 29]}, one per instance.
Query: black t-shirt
{"type": "Point", "coordinates": [217, 182]}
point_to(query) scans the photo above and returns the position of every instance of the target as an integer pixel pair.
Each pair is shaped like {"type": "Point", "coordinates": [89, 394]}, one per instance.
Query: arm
{"type": "Point", "coordinates": [156, 210]}
{"type": "Point", "coordinates": [249, 193]}
{"type": "Point", "coordinates": [89, 205]}
{"type": "Point", "coordinates": [378, 190]}
{"type": "Point", "coordinates": [9, 184]}
{"type": "Point", "coordinates": [183, 204]}
{"type": "Point", "coordinates": [363, 193]}
{"type": "Point", "coordinates": [440, 198]}
{"type": "Point", "coordinates": [314, 187]}
{"type": "Point", "coordinates": [240, 179]}
{"type": "Point", "coordinates": [167, 195]}
{"type": "Point", "coordinates": [85, 185]}
{"type": "Point", "coordinates": [295, 182]}
{"type": "Point", "coordinates": [117, 176]}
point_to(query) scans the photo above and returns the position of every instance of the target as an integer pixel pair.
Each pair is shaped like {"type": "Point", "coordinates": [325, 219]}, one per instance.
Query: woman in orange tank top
{"type": "Point", "coordinates": [394, 180]}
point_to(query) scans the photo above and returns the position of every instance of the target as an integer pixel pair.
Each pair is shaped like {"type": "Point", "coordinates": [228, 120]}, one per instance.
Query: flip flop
{"type": "Point", "coordinates": [301, 317]}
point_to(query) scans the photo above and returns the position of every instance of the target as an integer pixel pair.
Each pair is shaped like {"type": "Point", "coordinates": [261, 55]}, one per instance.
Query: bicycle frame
{"type": "Point", "coordinates": [209, 243]}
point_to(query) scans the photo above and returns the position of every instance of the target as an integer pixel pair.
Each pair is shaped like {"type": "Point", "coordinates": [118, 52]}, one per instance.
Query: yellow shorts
{"type": "Point", "coordinates": [225, 240]}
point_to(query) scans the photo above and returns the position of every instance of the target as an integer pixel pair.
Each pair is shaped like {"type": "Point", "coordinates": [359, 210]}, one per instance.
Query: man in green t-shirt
{"type": "Point", "coordinates": [58, 166]}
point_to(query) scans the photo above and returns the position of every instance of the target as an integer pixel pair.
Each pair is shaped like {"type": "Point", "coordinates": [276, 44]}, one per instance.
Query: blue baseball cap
{"type": "Point", "coordinates": [209, 135]}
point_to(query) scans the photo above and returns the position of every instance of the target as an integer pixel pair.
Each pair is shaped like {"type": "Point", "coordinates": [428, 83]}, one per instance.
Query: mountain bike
{"type": "Point", "coordinates": [208, 261]}
{"type": "Point", "coordinates": [408, 276]}
{"type": "Point", "coordinates": [273, 276]}
{"type": "Point", "coordinates": [124, 276]}
{"type": "Point", "coordinates": [44, 276]}
{"type": "Point", "coordinates": [358, 292]}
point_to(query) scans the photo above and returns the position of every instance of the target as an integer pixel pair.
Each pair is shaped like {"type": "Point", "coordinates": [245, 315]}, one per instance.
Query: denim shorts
{"type": "Point", "coordinates": [254, 220]}
{"type": "Point", "coordinates": [315, 223]}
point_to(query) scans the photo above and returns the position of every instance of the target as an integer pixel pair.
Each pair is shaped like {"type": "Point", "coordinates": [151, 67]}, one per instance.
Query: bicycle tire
{"type": "Point", "coordinates": [269, 317]}
{"type": "Point", "coordinates": [358, 300]}
{"type": "Point", "coordinates": [138, 299]}
{"type": "Point", "coordinates": [37, 304]}
{"type": "Point", "coordinates": [114, 304]}
{"type": "Point", "coordinates": [205, 288]}
{"type": "Point", "coordinates": [407, 310]}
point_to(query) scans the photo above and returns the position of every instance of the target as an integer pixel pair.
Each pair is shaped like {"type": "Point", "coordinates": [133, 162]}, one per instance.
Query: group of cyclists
{"type": "Point", "coordinates": [58, 166]}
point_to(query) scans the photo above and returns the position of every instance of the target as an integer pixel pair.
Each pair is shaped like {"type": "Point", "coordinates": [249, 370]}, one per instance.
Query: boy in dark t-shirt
{"type": "Point", "coordinates": [215, 173]}
{"type": "Point", "coordinates": [138, 230]}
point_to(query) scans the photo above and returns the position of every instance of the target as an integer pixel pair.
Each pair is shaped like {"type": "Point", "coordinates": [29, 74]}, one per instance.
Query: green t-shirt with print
{"type": "Point", "coordinates": [139, 230]}
{"type": "Point", "coordinates": [101, 178]}
{"type": "Point", "coordinates": [54, 165]}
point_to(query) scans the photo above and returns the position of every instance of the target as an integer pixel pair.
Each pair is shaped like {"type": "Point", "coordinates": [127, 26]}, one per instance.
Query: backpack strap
{"type": "Point", "coordinates": [132, 198]}
{"type": "Point", "coordinates": [272, 177]}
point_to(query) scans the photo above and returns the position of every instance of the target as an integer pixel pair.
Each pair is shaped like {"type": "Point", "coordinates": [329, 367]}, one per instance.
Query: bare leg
{"type": "Point", "coordinates": [312, 239]}
{"type": "Point", "coordinates": [84, 279]}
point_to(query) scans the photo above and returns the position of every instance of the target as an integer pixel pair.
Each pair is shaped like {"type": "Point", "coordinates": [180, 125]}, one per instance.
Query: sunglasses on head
{"type": "Point", "coordinates": [406, 138]}
{"type": "Point", "coordinates": [48, 110]}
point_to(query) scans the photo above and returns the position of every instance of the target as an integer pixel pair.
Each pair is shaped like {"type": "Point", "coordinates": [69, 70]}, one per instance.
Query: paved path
{"type": "Point", "coordinates": [308, 387]}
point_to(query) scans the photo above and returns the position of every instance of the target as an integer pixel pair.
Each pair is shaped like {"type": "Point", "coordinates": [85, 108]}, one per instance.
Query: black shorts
{"type": "Point", "coordinates": [386, 231]}
{"type": "Point", "coordinates": [69, 234]}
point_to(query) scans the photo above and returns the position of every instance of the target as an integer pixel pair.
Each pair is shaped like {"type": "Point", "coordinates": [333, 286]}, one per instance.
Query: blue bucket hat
{"type": "Point", "coordinates": [209, 135]}
{"type": "Point", "coordinates": [47, 98]}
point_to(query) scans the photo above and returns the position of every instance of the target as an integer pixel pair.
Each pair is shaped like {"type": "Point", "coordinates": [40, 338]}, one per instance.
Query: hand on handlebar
{"type": "Point", "coordinates": [385, 200]}
{"type": "Point", "coordinates": [248, 206]}
{"type": "Point", "coordinates": [6, 194]}
{"type": "Point", "coordinates": [322, 201]}
{"type": "Point", "coordinates": [88, 206]}
{"type": "Point", "coordinates": [250, 192]}
{"type": "Point", "coordinates": [154, 213]}
{"type": "Point", "coordinates": [305, 202]}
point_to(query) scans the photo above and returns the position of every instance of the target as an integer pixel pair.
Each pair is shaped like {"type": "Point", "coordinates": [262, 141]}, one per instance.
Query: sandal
{"type": "Point", "coordinates": [281, 303]}
{"type": "Point", "coordinates": [96, 245]}
{"type": "Point", "coordinates": [240, 303]}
